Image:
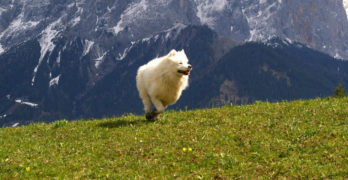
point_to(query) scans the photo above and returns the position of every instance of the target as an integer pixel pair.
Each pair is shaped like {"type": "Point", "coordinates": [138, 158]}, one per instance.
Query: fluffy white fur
{"type": "Point", "coordinates": [161, 81]}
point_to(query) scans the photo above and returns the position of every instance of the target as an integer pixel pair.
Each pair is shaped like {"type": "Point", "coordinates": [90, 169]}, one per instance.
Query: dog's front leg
{"type": "Point", "coordinates": [158, 105]}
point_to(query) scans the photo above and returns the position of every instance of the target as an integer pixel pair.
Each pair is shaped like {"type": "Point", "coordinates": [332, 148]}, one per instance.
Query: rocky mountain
{"type": "Point", "coordinates": [78, 58]}
{"type": "Point", "coordinates": [320, 24]}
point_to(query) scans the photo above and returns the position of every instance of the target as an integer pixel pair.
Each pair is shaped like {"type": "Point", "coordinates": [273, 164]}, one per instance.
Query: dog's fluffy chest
{"type": "Point", "coordinates": [170, 91]}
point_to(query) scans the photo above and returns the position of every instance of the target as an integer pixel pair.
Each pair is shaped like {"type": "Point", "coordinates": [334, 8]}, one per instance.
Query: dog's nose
{"type": "Point", "coordinates": [189, 66]}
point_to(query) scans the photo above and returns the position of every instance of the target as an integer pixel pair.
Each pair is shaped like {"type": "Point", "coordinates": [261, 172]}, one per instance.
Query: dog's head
{"type": "Point", "coordinates": [180, 61]}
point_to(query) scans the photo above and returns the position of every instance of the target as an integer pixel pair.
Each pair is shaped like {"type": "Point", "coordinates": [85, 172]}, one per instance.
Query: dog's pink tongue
{"type": "Point", "coordinates": [188, 72]}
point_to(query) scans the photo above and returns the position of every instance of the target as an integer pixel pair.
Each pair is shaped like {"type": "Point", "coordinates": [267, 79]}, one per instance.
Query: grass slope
{"type": "Point", "coordinates": [299, 139]}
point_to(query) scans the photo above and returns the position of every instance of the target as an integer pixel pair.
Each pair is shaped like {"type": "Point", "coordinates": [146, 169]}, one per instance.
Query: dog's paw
{"type": "Point", "coordinates": [152, 116]}
{"type": "Point", "coordinates": [148, 116]}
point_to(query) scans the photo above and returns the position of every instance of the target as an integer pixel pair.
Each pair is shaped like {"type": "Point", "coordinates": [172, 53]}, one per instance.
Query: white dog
{"type": "Point", "coordinates": [161, 81]}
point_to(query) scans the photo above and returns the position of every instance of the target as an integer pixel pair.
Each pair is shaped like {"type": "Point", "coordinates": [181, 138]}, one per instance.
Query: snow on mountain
{"type": "Point", "coordinates": [19, 19]}
{"type": "Point", "coordinates": [54, 81]}
{"type": "Point", "coordinates": [143, 18]}
{"type": "Point", "coordinates": [134, 11]}
{"type": "Point", "coordinates": [87, 47]}
{"type": "Point", "coordinates": [46, 43]}
{"type": "Point", "coordinates": [75, 21]}
{"type": "Point", "coordinates": [99, 56]}
{"type": "Point", "coordinates": [174, 31]}
{"type": "Point", "coordinates": [2, 10]}
{"type": "Point", "coordinates": [1, 49]}
{"type": "Point", "coordinates": [99, 60]}
{"type": "Point", "coordinates": [170, 33]}
{"type": "Point", "coordinates": [77, 15]}
{"type": "Point", "coordinates": [19, 101]}
{"type": "Point", "coordinates": [207, 8]}
{"type": "Point", "coordinates": [318, 24]}
{"type": "Point", "coordinates": [121, 56]}
{"type": "Point", "coordinates": [15, 125]}
{"type": "Point", "coordinates": [59, 58]}
{"type": "Point", "coordinates": [3, 116]}
{"type": "Point", "coordinates": [18, 26]}
{"type": "Point", "coordinates": [345, 4]}
{"type": "Point", "coordinates": [259, 16]}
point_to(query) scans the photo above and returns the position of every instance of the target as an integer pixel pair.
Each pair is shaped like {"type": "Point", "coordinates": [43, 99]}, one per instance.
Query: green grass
{"type": "Point", "coordinates": [295, 140]}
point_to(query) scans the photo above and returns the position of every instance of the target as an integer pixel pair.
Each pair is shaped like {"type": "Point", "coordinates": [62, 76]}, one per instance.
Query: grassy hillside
{"type": "Point", "coordinates": [299, 139]}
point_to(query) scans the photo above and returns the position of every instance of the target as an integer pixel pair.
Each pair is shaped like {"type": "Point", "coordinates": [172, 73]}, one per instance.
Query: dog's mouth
{"type": "Point", "coordinates": [187, 72]}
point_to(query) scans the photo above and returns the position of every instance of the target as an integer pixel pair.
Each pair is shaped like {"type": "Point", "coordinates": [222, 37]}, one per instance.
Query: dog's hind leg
{"type": "Point", "coordinates": [147, 103]}
{"type": "Point", "coordinates": [147, 107]}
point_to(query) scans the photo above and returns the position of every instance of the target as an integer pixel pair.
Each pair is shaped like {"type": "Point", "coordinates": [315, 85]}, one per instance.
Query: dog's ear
{"type": "Point", "coordinates": [183, 50]}
{"type": "Point", "coordinates": [172, 53]}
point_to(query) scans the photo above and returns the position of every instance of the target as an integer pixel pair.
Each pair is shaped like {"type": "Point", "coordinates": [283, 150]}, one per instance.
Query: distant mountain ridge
{"type": "Point", "coordinates": [78, 59]}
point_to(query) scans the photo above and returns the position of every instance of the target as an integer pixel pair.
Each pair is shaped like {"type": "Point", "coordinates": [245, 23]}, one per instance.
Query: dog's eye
{"type": "Point", "coordinates": [180, 63]}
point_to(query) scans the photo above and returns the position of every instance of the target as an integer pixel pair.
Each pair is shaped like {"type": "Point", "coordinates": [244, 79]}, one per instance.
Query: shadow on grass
{"type": "Point", "coordinates": [122, 123]}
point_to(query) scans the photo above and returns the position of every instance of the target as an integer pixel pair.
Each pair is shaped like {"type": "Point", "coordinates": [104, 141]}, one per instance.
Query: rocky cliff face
{"type": "Point", "coordinates": [321, 25]}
